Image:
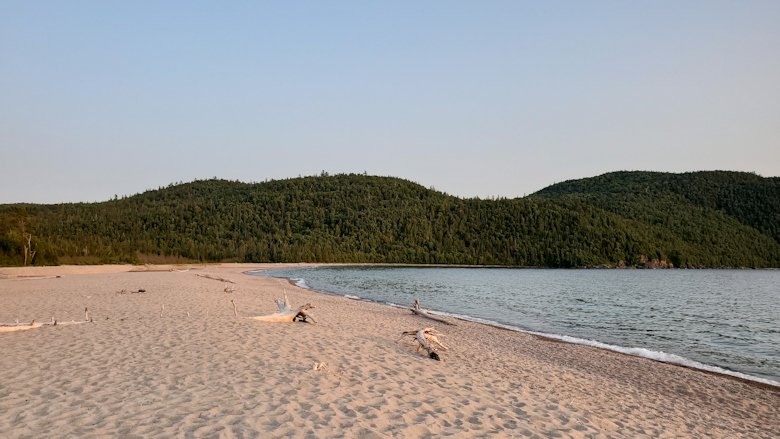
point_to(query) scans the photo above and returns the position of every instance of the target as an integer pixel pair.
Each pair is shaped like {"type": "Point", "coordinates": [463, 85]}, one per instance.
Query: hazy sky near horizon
{"type": "Point", "coordinates": [475, 98]}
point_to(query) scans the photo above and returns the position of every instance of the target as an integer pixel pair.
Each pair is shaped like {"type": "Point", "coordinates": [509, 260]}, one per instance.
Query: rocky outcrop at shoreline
{"type": "Point", "coordinates": [646, 263]}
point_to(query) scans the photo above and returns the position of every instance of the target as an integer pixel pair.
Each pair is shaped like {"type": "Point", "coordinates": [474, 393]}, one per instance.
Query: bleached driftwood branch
{"type": "Point", "coordinates": [424, 313]}
{"type": "Point", "coordinates": [30, 277]}
{"type": "Point", "coordinates": [286, 314]}
{"type": "Point", "coordinates": [426, 338]}
{"type": "Point", "coordinates": [12, 327]}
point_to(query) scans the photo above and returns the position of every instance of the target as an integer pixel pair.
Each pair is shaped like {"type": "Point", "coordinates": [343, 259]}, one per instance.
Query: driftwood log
{"type": "Point", "coordinates": [140, 291]}
{"type": "Point", "coordinates": [12, 327]}
{"type": "Point", "coordinates": [424, 313]}
{"type": "Point", "coordinates": [287, 314]}
{"type": "Point", "coordinates": [427, 338]}
{"type": "Point", "coordinates": [212, 277]}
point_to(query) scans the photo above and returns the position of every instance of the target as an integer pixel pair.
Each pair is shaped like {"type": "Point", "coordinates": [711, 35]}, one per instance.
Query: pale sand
{"type": "Point", "coordinates": [141, 375]}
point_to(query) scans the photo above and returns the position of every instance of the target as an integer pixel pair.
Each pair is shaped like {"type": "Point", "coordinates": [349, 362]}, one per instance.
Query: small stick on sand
{"type": "Point", "coordinates": [86, 314]}
{"type": "Point", "coordinates": [235, 313]}
{"type": "Point", "coordinates": [161, 311]}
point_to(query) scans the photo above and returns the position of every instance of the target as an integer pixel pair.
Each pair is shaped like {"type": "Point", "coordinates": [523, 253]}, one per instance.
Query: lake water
{"type": "Point", "coordinates": [726, 321]}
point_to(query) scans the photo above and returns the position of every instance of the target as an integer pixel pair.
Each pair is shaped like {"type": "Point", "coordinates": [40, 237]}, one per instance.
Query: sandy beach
{"type": "Point", "coordinates": [197, 370]}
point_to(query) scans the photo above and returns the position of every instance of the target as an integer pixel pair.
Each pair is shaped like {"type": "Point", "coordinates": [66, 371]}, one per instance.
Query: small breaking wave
{"type": "Point", "coordinates": [301, 283]}
{"type": "Point", "coordinates": [637, 352]}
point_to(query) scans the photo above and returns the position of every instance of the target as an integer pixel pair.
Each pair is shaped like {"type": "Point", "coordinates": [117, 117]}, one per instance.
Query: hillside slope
{"type": "Point", "coordinates": [358, 218]}
{"type": "Point", "coordinates": [751, 199]}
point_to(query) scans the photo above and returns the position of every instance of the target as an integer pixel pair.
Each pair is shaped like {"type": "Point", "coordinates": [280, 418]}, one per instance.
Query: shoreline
{"type": "Point", "coordinates": [199, 370]}
{"type": "Point", "coordinates": [5, 271]}
{"type": "Point", "coordinates": [45, 272]}
{"type": "Point", "coordinates": [558, 338]}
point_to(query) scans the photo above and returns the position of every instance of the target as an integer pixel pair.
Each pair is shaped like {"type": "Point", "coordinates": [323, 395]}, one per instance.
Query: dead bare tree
{"type": "Point", "coordinates": [28, 253]}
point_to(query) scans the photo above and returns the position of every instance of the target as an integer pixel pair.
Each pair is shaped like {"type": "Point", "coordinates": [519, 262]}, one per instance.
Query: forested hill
{"type": "Point", "coordinates": [631, 217]}
{"type": "Point", "coordinates": [751, 199]}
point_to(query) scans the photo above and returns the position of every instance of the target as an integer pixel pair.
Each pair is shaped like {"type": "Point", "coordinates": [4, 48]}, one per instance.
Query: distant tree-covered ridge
{"type": "Point", "coordinates": [751, 199]}
{"type": "Point", "coordinates": [704, 219]}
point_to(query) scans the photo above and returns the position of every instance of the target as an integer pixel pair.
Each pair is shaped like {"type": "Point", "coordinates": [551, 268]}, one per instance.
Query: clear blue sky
{"type": "Point", "coordinates": [475, 98]}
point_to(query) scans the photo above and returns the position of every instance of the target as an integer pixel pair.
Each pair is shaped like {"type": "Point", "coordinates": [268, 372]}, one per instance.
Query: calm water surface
{"type": "Point", "coordinates": [722, 320]}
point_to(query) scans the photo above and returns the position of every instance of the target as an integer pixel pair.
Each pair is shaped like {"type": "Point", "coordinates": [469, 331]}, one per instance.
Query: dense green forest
{"type": "Point", "coordinates": [751, 199]}
{"type": "Point", "coordinates": [702, 219]}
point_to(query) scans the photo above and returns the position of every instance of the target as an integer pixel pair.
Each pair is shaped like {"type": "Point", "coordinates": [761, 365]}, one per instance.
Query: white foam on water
{"type": "Point", "coordinates": [638, 352]}
{"type": "Point", "coordinates": [352, 297]}
{"type": "Point", "coordinates": [301, 283]}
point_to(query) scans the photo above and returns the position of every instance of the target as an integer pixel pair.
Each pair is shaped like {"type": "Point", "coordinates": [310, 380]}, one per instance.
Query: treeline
{"type": "Point", "coordinates": [359, 218]}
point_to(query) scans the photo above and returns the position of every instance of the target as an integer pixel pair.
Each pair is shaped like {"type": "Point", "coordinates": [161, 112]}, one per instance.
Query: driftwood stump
{"type": "Point", "coordinates": [424, 313]}
{"type": "Point", "coordinates": [287, 314]}
{"type": "Point", "coordinates": [426, 338]}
